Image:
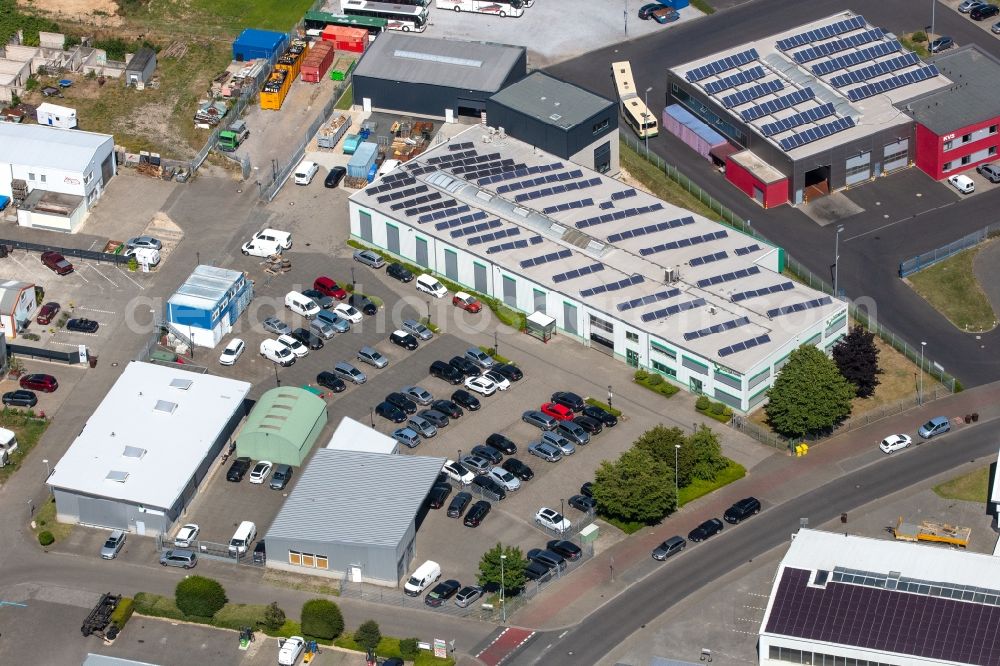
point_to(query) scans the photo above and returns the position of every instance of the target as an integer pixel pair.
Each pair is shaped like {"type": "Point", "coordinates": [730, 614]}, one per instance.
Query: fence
{"type": "Point", "coordinates": [212, 551]}
{"type": "Point", "coordinates": [66, 251]}
{"type": "Point", "coordinates": [922, 261]}
{"type": "Point", "coordinates": [72, 358]}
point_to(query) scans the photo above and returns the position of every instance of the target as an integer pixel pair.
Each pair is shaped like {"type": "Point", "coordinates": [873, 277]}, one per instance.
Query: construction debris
{"type": "Point", "coordinates": [210, 113]}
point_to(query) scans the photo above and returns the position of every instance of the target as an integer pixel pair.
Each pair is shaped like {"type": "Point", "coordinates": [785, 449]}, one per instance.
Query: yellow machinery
{"type": "Point", "coordinates": [953, 535]}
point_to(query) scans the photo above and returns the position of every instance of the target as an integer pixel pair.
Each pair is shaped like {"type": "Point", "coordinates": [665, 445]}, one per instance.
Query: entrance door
{"type": "Point", "coordinates": [140, 527]}
{"type": "Point", "coordinates": [695, 386]}
{"type": "Point", "coordinates": [632, 358]}
{"type": "Point", "coordinates": [758, 195]}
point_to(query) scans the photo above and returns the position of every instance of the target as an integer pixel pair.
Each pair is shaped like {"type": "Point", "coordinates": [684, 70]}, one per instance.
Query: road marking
{"type": "Point", "coordinates": [110, 312]}
{"type": "Point", "coordinates": [92, 335]}
{"type": "Point", "coordinates": [64, 344]}
{"type": "Point", "coordinates": [129, 278]}
{"type": "Point", "coordinates": [755, 607]}
{"type": "Point", "coordinates": [747, 633]}
{"type": "Point", "coordinates": [563, 634]}
{"type": "Point", "coordinates": [94, 268]}
{"type": "Point", "coordinates": [92, 245]}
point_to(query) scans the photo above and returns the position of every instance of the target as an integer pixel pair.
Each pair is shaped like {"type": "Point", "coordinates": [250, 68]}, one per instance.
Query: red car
{"type": "Point", "coordinates": [57, 263]}
{"type": "Point", "coordinates": [557, 411]}
{"type": "Point", "coordinates": [39, 382]}
{"type": "Point", "coordinates": [328, 287]}
{"type": "Point", "coordinates": [467, 302]}
{"type": "Point", "coordinates": [47, 313]}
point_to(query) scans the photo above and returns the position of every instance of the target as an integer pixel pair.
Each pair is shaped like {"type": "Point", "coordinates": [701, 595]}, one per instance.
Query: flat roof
{"type": "Point", "coordinates": [356, 497]}
{"type": "Point", "coordinates": [141, 58]}
{"type": "Point", "coordinates": [603, 243]}
{"type": "Point", "coordinates": [974, 96]}
{"type": "Point", "coordinates": [10, 292]}
{"type": "Point", "coordinates": [150, 433]}
{"type": "Point", "coordinates": [51, 147]}
{"type": "Point", "coordinates": [352, 435]}
{"type": "Point", "coordinates": [816, 86]}
{"type": "Point", "coordinates": [451, 63]}
{"type": "Point", "coordinates": [205, 287]}
{"type": "Point", "coordinates": [758, 167]}
{"type": "Point", "coordinates": [551, 101]}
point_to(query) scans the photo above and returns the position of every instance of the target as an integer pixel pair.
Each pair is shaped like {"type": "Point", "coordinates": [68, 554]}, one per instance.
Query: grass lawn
{"type": "Point", "coordinates": [45, 521]}
{"type": "Point", "coordinates": [971, 487]}
{"type": "Point", "coordinates": [344, 103]}
{"type": "Point", "coordinates": [28, 430]}
{"type": "Point", "coordinates": [210, 17]}
{"type": "Point", "coordinates": [657, 182]}
{"type": "Point", "coordinates": [951, 288]}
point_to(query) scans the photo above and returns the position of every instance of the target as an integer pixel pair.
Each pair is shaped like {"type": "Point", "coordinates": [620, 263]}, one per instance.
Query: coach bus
{"type": "Point", "coordinates": [495, 7]}
{"type": "Point", "coordinates": [634, 110]}
{"type": "Point", "coordinates": [408, 18]}
{"type": "Point", "coordinates": [319, 20]}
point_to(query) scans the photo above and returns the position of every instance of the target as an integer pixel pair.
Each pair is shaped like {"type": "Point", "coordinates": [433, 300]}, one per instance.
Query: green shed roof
{"type": "Point", "coordinates": [283, 425]}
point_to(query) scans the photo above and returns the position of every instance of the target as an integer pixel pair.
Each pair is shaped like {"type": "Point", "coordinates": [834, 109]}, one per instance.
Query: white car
{"type": "Point", "coordinates": [458, 472]}
{"type": "Point", "coordinates": [482, 385]}
{"type": "Point", "coordinates": [502, 382]}
{"type": "Point", "coordinates": [895, 443]}
{"type": "Point", "coordinates": [505, 479]}
{"type": "Point", "coordinates": [186, 535]}
{"type": "Point", "coordinates": [962, 183]}
{"type": "Point", "coordinates": [274, 351]}
{"type": "Point", "coordinates": [290, 650]}
{"type": "Point", "coordinates": [552, 519]}
{"type": "Point", "coordinates": [232, 352]}
{"type": "Point", "coordinates": [293, 345]}
{"type": "Point", "coordinates": [348, 312]}
{"type": "Point", "coordinates": [260, 471]}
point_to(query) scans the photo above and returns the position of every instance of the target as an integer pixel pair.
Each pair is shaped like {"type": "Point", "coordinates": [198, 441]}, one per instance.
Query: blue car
{"type": "Point", "coordinates": [936, 426]}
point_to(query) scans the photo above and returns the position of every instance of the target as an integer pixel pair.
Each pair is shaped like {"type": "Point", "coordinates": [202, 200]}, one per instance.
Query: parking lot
{"type": "Point", "coordinates": [985, 25]}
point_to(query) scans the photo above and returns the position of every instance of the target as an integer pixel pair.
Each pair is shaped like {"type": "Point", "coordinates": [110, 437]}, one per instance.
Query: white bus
{"type": "Point", "coordinates": [633, 108]}
{"type": "Point", "coordinates": [496, 7]}
{"type": "Point", "coordinates": [408, 18]}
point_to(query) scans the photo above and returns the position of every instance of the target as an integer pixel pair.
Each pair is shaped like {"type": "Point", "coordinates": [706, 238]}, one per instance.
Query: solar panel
{"type": "Point", "coordinates": [746, 344]}
{"type": "Point", "coordinates": [733, 80]}
{"type": "Point", "coordinates": [546, 258]}
{"type": "Point", "coordinates": [856, 57]}
{"type": "Point", "coordinates": [742, 251]}
{"type": "Point", "coordinates": [613, 286]}
{"type": "Point", "coordinates": [753, 92]}
{"type": "Point", "coordinates": [619, 215]}
{"type": "Point", "coordinates": [729, 277]}
{"type": "Point", "coordinates": [672, 310]}
{"type": "Point", "coordinates": [722, 65]}
{"type": "Point", "coordinates": [797, 119]}
{"type": "Point", "coordinates": [416, 210]}
{"type": "Point", "coordinates": [824, 32]}
{"type": "Point", "coordinates": [651, 229]}
{"type": "Point", "coordinates": [877, 69]}
{"type": "Point", "coordinates": [535, 240]}
{"type": "Point", "coordinates": [646, 300]}
{"type": "Point", "coordinates": [718, 328]}
{"type": "Point", "coordinates": [815, 133]}
{"type": "Point", "coordinates": [604, 205]}
{"type": "Point", "coordinates": [684, 242]}
{"type": "Point", "coordinates": [475, 228]}
{"type": "Point", "coordinates": [837, 45]}
{"type": "Point", "coordinates": [791, 99]}
{"type": "Point", "coordinates": [624, 194]}
{"type": "Point", "coordinates": [799, 307]}
{"type": "Point", "coordinates": [503, 247]}
{"type": "Point", "coordinates": [578, 272]}
{"type": "Point", "coordinates": [496, 235]}
{"type": "Point", "coordinates": [764, 291]}
{"type": "Point", "coordinates": [905, 79]}
{"type": "Point", "coordinates": [708, 258]}
{"type": "Point", "coordinates": [557, 189]}
{"type": "Point", "coordinates": [460, 146]}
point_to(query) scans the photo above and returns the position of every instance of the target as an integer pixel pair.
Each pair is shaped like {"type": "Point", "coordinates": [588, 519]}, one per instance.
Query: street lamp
{"type": "Point", "coordinates": [836, 263]}
{"type": "Point", "coordinates": [677, 447]}
{"type": "Point", "coordinates": [503, 595]}
{"type": "Point", "coordinates": [644, 116]}
{"type": "Point", "coordinates": [352, 276]}
{"type": "Point", "coordinates": [372, 416]}
{"type": "Point", "coordinates": [277, 382]}
{"type": "Point", "coordinates": [496, 343]}
{"type": "Point", "coordinates": [48, 471]}
{"type": "Point", "coordinates": [562, 513]}
{"type": "Point", "coordinates": [428, 311]}
{"type": "Point", "coordinates": [920, 391]}
{"type": "Point", "coordinates": [609, 396]}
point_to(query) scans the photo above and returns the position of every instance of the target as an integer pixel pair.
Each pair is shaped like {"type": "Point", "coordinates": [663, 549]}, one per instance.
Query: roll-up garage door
{"type": "Point", "coordinates": [858, 168]}
{"type": "Point", "coordinates": [896, 155]}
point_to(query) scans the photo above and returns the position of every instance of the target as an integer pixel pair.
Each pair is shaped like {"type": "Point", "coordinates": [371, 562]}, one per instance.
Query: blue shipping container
{"type": "Point", "coordinates": [254, 43]}
{"type": "Point", "coordinates": [362, 160]}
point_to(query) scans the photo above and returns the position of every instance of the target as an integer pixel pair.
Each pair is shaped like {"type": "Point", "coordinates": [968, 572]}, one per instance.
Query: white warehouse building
{"type": "Point", "coordinates": [621, 271]}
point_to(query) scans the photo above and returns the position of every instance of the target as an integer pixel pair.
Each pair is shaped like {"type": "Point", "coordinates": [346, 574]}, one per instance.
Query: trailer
{"type": "Point", "coordinates": [100, 617]}
{"type": "Point", "coordinates": [927, 530]}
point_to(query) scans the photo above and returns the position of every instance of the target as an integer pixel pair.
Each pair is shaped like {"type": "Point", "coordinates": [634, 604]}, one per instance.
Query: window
{"type": "Point", "coordinates": [294, 558]}
{"type": "Point", "coordinates": [993, 129]}
{"type": "Point", "coordinates": [322, 562]}
{"type": "Point", "coordinates": [539, 300]}
{"type": "Point", "coordinates": [665, 369]}
{"type": "Point", "coordinates": [993, 150]}
{"type": "Point", "coordinates": [604, 325]}
{"type": "Point", "coordinates": [947, 166]}
{"type": "Point", "coordinates": [510, 291]}
{"type": "Point", "coordinates": [422, 252]}
{"type": "Point", "coordinates": [392, 238]}
{"type": "Point", "coordinates": [966, 138]}
{"type": "Point", "coordinates": [948, 145]}
{"type": "Point", "coordinates": [666, 351]}
{"type": "Point", "coordinates": [479, 277]}
{"type": "Point", "coordinates": [966, 159]}
{"type": "Point", "coordinates": [42, 177]}
{"type": "Point", "coordinates": [451, 265]}
{"type": "Point", "coordinates": [31, 176]}
{"type": "Point", "coordinates": [570, 318]}
{"type": "Point", "coordinates": [631, 336]}
{"type": "Point", "coordinates": [308, 560]}
{"type": "Point", "coordinates": [602, 125]}
{"type": "Point", "coordinates": [602, 157]}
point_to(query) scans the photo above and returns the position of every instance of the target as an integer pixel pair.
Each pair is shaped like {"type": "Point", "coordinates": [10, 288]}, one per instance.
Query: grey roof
{"type": "Point", "coordinates": [141, 59]}
{"type": "Point", "coordinates": [356, 497]}
{"type": "Point", "coordinates": [444, 62]}
{"type": "Point", "coordinates": [205, 287]}
{"type": "Point", "coordinates": [53, 147]}
{"type": "Point", "coordinates": [10, 291]}
{"type": "Point", "coordinates": [104, 660]}
{"type": "Point", "coordinates": [552, 101]}
{"type": "Point", "coordinates": [973, 97]}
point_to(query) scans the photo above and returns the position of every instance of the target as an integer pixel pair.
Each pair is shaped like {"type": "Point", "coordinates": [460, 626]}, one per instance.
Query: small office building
{"type": "Point", "coordinates": [17, 306]}
{"type": "Point", "coordinates": [352, 435]}
{"type": "Point", "coordinates": [205, 308]}
{"type": "Point", "coordinates": [283, 426]}
{"type": "Point", "coordinates": [253, 43]}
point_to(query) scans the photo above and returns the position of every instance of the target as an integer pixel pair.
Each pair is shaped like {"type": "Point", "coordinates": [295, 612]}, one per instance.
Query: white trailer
{"type": "Point", "coordinates": [56, 116]}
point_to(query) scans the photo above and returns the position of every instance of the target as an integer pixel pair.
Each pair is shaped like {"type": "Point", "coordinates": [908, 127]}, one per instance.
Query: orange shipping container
{"type": "Point", "coordinates": [317, 62]}
{"type": "Point", "coordinates": [345, 38]}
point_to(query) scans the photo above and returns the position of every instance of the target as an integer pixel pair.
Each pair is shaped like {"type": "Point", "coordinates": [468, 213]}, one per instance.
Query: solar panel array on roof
{"type": "Point", "coordinates": [520, 172]}
{"type": "Point", "coordinates": [746, 344]}
{"type": "Point", "coordinates": [856, 57]}
{"type": "Point", "coordinates": [764, 291]}
{"type": "Point", "coordinates": [815, 133]}
{"type": "Point", "coordinates": [496, 235]}
{"type": "Point", "coordinates": [441, 161]}
{"type": "Point", "coordinates": [447, 204]}
{"type": "Point", "coordinates": [386, 185]}
{"type": "Point", "coordinates": [821, 33]}
{"type": "Point", "coordinates": [718, 328]}
{"type": "Point", "coordinates": [722, 65]}
{"type": "Point", "coordinates": [459, 221]}
{"type": "Point", "coordinates": [577, 272]}
{"type": "Point", "coordinates": [684, 242]}
{"type": "Point", "coordinates": [733, 80]}
{"type": "Point", "coordinates": [483, 172]}
{"type": "Point", "coordinates": [878, 69]}
{"type": "Point", "coordinates": [535, 240]}
{"type": "Point", "coordinates": [624, 194]}
{"type": "Point", "coordinates": [708, 258]}
{"type": "Point", "coordinates": [650, 229]}
{"type": "Point", "coordinates": [546, 258]}
{"type": "Point", "coordinates": [385, 198]}
{"type": "Point", "coordinates": [442, 214]}
{"type": "Point", "coordinates": [460, 146]}
{"type": "Point", "coordinates": [541, 180]}
{"type": "Point", "coordinates": [408, 203]}
{"type": "Point", "coordinates": [904, 79]}
{"type": "Point", "coordinates": [613, 286]}
{"type": "Point", "coordinates": [777, 104]}
{"type": "Point", "coordinates": [729, 277]}
{"type": "Point", "coordinates": [415, 207]}
{"type": "Point", "coordinates": [617, 215]}
{"type": "Point", "coordinates": [646, 300]}
{"type": "Point", "coordinates": [663, 313]}
{"type": "Point", "coordinates": [503, 247]}
{"type": "Point", "coordinates": [604, 205]}
{"type": "Point", "coordinates": [580, 203]}
{"type": "Point", "coordinates": [799, 307]}
{"type": "Point", "coordinates": [801, 118]}
{"type": "Point", "coordinates": [753, 92]}
{"type": "Point", "coordinates": [742, 251]}
{"type": "Point", "coordinates": [557, 189]}
{"type": "Point", "coordinates": [837, 45]}
{"type": "Point", "coordinates": [476, 228]}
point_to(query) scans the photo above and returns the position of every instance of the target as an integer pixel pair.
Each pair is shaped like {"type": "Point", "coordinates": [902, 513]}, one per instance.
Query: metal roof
{"type": "Point", "coordinates": [102, 460]}
{"type": "Point", "coordinates": [551, 101]}
{"type": "Point", "coordinates": [51, 147]}
{"type": "Point", "coordinates": [356, 497]}
{"type": "Point", "coordinates": [482, 66]}
{"type": "Point", "coordinates": [268, 39]}
{"type": "Point", "coordinates": [141, 58]}
{"type": "Point", "coordinates": [351, 435]}
{"type": "Point", "coordinates": [973, 97]}
{"type": "Point", "coordinates": [205, 287]}
{"type": "Point", "coordinates": [287, 412]}
{"type": "Point", "coordinates": [10, 291]}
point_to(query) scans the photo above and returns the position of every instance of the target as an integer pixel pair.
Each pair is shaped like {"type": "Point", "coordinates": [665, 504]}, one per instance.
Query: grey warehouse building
{"type": "Point", "coordinates": [353, 513]}
{"type": "Point", "coordinates": [559, 118]}
{"type": "Point", "coordinates": [434, 77]}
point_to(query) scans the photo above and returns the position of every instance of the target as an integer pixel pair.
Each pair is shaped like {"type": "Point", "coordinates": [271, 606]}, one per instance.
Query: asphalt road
{"type": "Point", "coordinates": [703, 563]}
{"type": "Point", "coordinates": [868, 262]}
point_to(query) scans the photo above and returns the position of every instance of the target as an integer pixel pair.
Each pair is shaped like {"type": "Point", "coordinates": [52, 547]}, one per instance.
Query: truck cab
{"type": "Point", "coordinates": [230, 139]}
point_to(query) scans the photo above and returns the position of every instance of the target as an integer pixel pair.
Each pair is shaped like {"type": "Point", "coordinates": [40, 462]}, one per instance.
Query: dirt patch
{"type": "Point", "coordinates": [93, 12]}
{"type": "Point", "coordinates": [629, 179]}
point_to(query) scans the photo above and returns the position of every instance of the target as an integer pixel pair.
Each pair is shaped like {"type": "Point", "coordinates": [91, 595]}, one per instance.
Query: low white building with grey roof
{"type": "Point", "coordinates": [17, 306]}
{"type": "Point", "coordinates": [434, 77]}
{"type": "Point", "coordinates": [205, 307]}
{"type": "Point", "coordinates": [623, 272]}
{"type": "Point", "coordinates": [353, 513]}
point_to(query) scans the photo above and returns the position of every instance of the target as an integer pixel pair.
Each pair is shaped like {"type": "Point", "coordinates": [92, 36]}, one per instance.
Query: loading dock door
{"type": "Point", "coordinates": [858, 168]}
{"type": "Point", "coordinates": [896, 155]}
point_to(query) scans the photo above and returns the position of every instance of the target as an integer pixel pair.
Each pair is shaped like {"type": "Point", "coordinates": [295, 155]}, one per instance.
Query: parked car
{"type": "Point", "coordinates": [894, 443]}
{"type": "Point", "coordinates": [587, 489]}
{"type": "Point", "coordinates": [556, 439]}
{"type": "Point", "coordinates": [261, 471]}
{"type": "Point", "coordinates": [995, 28]}
{"type": "Point", "coordinates": [372, 357]}
{"type": "Point", "coordinates": [293, 345]}
{"type": "Point", "coordinates": [569, 399]}
{"type": "Point", "coordinates": [425, 428]}
{"type": "Point", "coordinates": [934, 427]}
{"type": "Point", "coordinates": [185, 559]}
{"type": "Point", "coordinates": [466, 367]}
{"type": "Point", "coordinates": [476, 463]}
{"type": "Point", "coordinates": [467, 302]}
{"type": "Point", "coordinates": [506, 479]}
{"type": "Point", "coordinates": [464, 399]}
{"type": "Point", "coordinates": [481, 359]}
{"type": "Point", "coordinates": [390, 411]}
{"type": "Point", "coordinates": [113, 545]}
{"type": "Point", "coordinates": [547, 558]}
{"type": "Point", "coordinates": [441, 593]}
{"type": "Point", "coordinates": [482, 385]}
{"type": "Point", "coordinates": [335, 175]}
{"type": "Point", "coordinates": [319, 298]}
{"type": "Point", "coordinates": [477, 514]}
{"type": "Point", "coordinates": [20, 398]}
{"type": "Point", "coordinates": [363, 303]}
{"type": "Point", "coordinates": [57, 263]}
{"type": "Point", "coordinates": [582, 503]}
{"type": "Point", "coordinates": [438, 494]}
{"type": "Point", "coordinates": [276, 326]}
{"type": "Point", "coordinates": [989, 171]}
{"type": "Point", "coordinates": [331, 381]}
{"type": "Point", "coordinates": [538, 419]}
{"type": "Point", "coordinates": [646, 11]}
{"type": "Point", "coordinates": [707, 529]}
{"type": "Point", "coordinates": [962, 183]}
{"type": "Point", "coordinates": [291, 648]}
{"type": "Point", "coordinates": [488, 484]}
{"type": "Point", "coordinates": [967, 6]}
{"type": "Point", "coordinates": [518, 469]}
{"type": "Point", "coordinates": [439, 419]}
{"type": "Point", "coordinates": [488, 452]}
{"type": "Point", "coordinates": [47, 313]}
{"type": "Point", "coordinates": [416, 328]}
{"type": "Point", "coordinates": [537, 572]}
{"type": "Point", "coordinates": [741, 510]}
{"type": "Point", "coordinates": [467, 595]}
{"type": "Point", "coordinates": [566, 549]}
{"type": "Point", "coordinates": [458, 472]}
{"type": "Point", "coordinates": [502, 444]}
{"type": "Point", "coordinates": [552, 520]}
{"type": "Point", "coordinates": [399, 272]}
{"type": "Point", "coordinates": [238, 469]}
{"type": "Point", "coordinates": [665, 15]}
{"type": "Point", "coordinates": [591, 425]}
{"type": "Point", "coordinates": [282, 475]}
{"type": "Point", "coordinates": [186, 535]}
{"type": "Point", "coordinates": [545, 451]}
{"type": "Point", "coordinates": [573, 432]}
{"type": "Point", "coordinates": [502, 383]}
{"type": "Point", "coordinates": [511, 372]}
{"type": "Point", "coordinates": [419, 395]}
{"type": "Point", "coordinates": [307, 338]}
{"type": "Point", "coordinates": [669, 548]}
{"type": "Point", "coordinates": [369, 258]}
{"type": "Point", "coordinates": [983, 12]}
{"type": "Point", "coordinates": [329, 287]}
{"type": "Point", "coordinates": [403, 339]}
{"type": "Point", "coordinates": [232, 352]}
{"type": "Point", "coordinates": [458, 504]}
{"type": "Point", "coordinates": [39, 382]}
{"type": "Point", "coordinates": [348, 312]}
{"type": "Point", "coordinates": [605, 417]}
{"type": "Point", "coordinates": [82, 325]}
{"type": "Point", "coordinates": [146, 242]}
{"type": "Point", "coordinates": [445, 371]}
{"type": "Point", "coordinates": [408, 437]}
{"type": "Point", "coordinates": [349, 373]}
{"type": "Point", "coordinates": [277, 352]}
{"type": "Point", "coordinates": [339, 324]}
{"type": "Point", "coordinates": [401, 401]}
{"type": "Point", "coordinates": [448, 408]}
{"type": "Point", "coordinates": [557, 411]}
{"type": "Point", "coordinates": [942, 43]}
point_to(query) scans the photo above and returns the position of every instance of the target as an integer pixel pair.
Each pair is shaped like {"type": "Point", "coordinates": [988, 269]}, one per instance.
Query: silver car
{"type": "Point", "coordinates": [348, 372]}
{"type": "Point", "coordinates": [419, 394]}
{"type": "Point", "coordinates": [477, 464]}
{"type": "Point", "coordinates": [546, 451]}
{"type": "Point", "coordinates": [539, 419]}
{"type": "Point", "coordinates": [372, 356]}
{"type": "Point", "coordinates": [560, 441]}
{"type": "Point", "coordinates": [143, 242]}
{"type": "Point", "coordinates": [407, 437]}
{"type": "Point", "coordinates": [424, 427]}
{"type": "Point", "coordinates": [416, 328]}
{"type": "Point", "coordinates": [339, 324]}
{"type": "Point", "coordinates": [113, 545]}
{"type": "Point", "coordinates": [505, 479]}
{"type": "Point", "coordinates": [467, 595]}
{"type": "Point", "coordinates": [185, 559]}
{"type": "Point", "coordinates": [276, 326]}
{"type": "Point", "coordinates": [573, 432]}
{"type": "Point", "coordinates": [369, 258]}
{"type": "Point", "coordinates": [479, 357]}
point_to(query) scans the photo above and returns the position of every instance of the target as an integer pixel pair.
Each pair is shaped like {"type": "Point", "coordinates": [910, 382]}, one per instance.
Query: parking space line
{"type": "Point", "coordinates": [110, 312]}
{"type": "Point", "coordinates": [64, 344]}
{"type": "Point", "coordinates": [91, 335]}
{"type": "Point", "coordinates": [129, 278]}
{"type": "Point", "coordinates": [94, 268]}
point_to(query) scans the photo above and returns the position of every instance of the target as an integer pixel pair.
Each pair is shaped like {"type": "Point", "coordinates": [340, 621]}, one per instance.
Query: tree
{"type": "Point", "coordinates": [809, 396]}
{"type": "Point", "coordinates": [637, 487]}
{"type": "Point", "coordinates": [368, 635]}
{"type": "Point", "coordinates": [513, 579]}
{"type": "Point", "coordinates": [856, 357]}
{"type": "Point", "coordinates": [274, 617]}
{"type": "Point", "coordinates": [408, 648]}
{"type": "Point", "coordinates": [200, 596]}
{"type": "Point", "coordinates": [705, 455]}
{"type": "Point", "coordinates": [322, 619]}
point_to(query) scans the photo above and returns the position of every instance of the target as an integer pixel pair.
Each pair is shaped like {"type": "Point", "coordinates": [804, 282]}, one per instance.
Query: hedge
{"type": "Point", "coordinates": [390, 647]}
{"type": "Point", "coordinates": [231, 616]}
{"type": "Point", "coordinates": [655, 382]}
{"type": "Point", "coordinates": [123, 612]}
{"type": "Point", "coordinates": [713, 410]}
{"type": "Point", "coordinates": [157, 605]}
{"type": "Point", "coordinates": [614, 411]}
{"type": "Point", "coordinates": [492, 352]}
{"type": "Point", "coordinates": [237, 616]}
{"type": "Point", "coordinates": [46, 538]}
{"type": "Point", "coordinates": [200, 596]}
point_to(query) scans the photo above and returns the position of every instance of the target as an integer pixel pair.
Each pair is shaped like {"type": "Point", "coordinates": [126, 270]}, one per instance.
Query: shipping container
{"type": "Point", "coordinates": [363, 160]}
{"type": "Point", "coordinates": [691, 130]}
{"type": "Point", "coordinates": [329, 134]}
{"type": "Point", "coordinates": [318, 60]}
{"type": "Point", "coordinates": [275, 90]}
{"type": "Point", "coordinates": [346, 39]}
{"type": "Point", "coordinates": [291, 60]}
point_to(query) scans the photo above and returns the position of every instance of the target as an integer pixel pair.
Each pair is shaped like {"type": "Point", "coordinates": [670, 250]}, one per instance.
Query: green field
{"type": "Point", "coordinates": [950, 286]}
{"type": "Point", "coordinates": [971, 487]}
{"type": "Point", "coordinates": [208, 17]}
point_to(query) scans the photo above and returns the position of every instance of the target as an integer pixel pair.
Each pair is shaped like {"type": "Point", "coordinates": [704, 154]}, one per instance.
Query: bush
{"type": "Point", "coordinates": [702, 403]}
{"type": "Point", "coordinates": [322, 618]}
{"type": "Point", "coordinates": [919, 36]}
{"type": "Point", "coordinates": [641, 375]}
{"type": "Point", "coordinates": [717, 408]}
{"type": "Point", "coordinates": [157, 605]}
{"type": "Point", "coordinates": [368, 635]}
{"type": "Point", "coordinates": [46, 538]}
{"type": "Point", "coordinates": [200, 596]}
{"type": "Point", "coordinates": [654, 380]}
{"type": "Point", "coordinates": [614, 411]}
{"type": "Point", "coordinates": [492, 353]}
{"type": "Point", "coordinates": [123, 612]}
{"type": "Point", "coordinates": [237, 616]}
{"type": "Point", "coordinates": [274, 617]}
{"type": "Point", "coordinates": [408, 648]}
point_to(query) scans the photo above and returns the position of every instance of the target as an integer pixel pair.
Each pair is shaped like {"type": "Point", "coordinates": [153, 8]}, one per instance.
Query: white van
{"type": "Point", "coordinates": [422, 578]}
{"type": "Point", "coordinates": [267, 242]}
{"type": "Point", "coordinates": [429, 284]}
{"type": "Point", "coordinates": [962, 183]}
{"type": "Point", "coordinates": [301, 304]}
{"type": "Point", "coordinates": [305, 171]}
{"type": "Point", "coordinates": [8, 444]}
{"type": "Point", "coordinates": [245, 535]}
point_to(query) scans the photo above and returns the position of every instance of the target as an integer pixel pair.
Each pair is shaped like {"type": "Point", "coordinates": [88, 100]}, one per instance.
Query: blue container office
{"type": "Point", "coordinates": [253, 43]}
{"type": "Point", "coordinates": [206, 307]}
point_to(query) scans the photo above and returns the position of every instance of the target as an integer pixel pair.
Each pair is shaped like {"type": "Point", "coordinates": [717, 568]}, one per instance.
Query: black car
{"type": "Point", "coordinates": [238, 469]}
{"type": "Point", "coordinates": [447, 372]}
{"type": "Point", "coordinates": [591, 425]}
{"type": "Point", "coordinates": [488, 452]}
{"type": "Point", "coordinates": [458, 504]}
{"type": "Point", "coordinates": [501, 443]}
{"type": "Point", "coordinates": [319, 298]}
{"type": "Point", "coordinates": [490, 484]}
{"type": "Point", "coordinates": [746, 507]}
{"type": "Point", "coordinates": [441, 593]}
{"type": "Point", "coordinates": [437, 419]}
{"type": "Point", "coordinates": [465, 399]}
{"type": "Point", "coordinates": [605, 417]}
{"type": "Point", "coordinates": [448, 408]}
{"type": "Point", "coordinates": [464, 366]}
{"type": "Point", "coordinates": [400, 272]}
{"type": "Point", "coordinates": [646, 11]}
{"type": "Point", "coordinates": [587, 489]}
{"type": "Point", "coordinates": [336, 175]}
{"type": "Point", "coordinates": [401, 401]}
{"type": "Point", "coordinates": [566, 549]}
{"type": "Point", "coordinates": [547, 558]}
{"type": "Point", "coordinates": [438, 494]}
{"type": "Point", "coordinates": [82, 325]}
{"type": "Point", "coordinates": [536, 571]}
{"type": "Point", "coordinates": [941, 44]}
{"type": "Point", "coordinates": [310, 340]}
{"type": "Point", "coordinates": [710, 527]}
{"type": "Point", "coordinates": [362, 303]}
{"type": "Point", "coordinates": [477, 514]}
{"type": "Point", "coordinates": [518, 469]}
{"type": "Point", "coordinates": [20, 398]}
{"type": "Point", "coordinates": [984, 12]}
{"type": "Point", "coordinates": [582, 503]}
{"type": "Point", "coordinates": [330, 381]}
{"type": "Point", "coordinates": [511, 372]}
{"type": "Point", "coordinates": [568, 399]}
{"type": "Point", "coordinates": [390, 411]}
{"type": "Point", "coordinates": [669, 548]}
{"type": "Point", "coordinates": [407, 341]}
